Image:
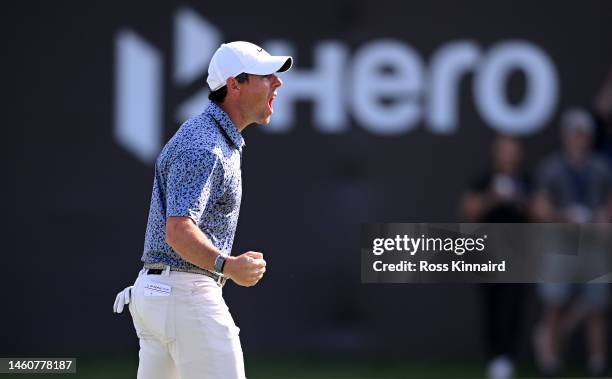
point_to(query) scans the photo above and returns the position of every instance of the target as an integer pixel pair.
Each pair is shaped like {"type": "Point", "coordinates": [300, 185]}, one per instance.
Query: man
{"type": "Point", "coordinates": [573, 187]}
{"type": "Point", "coordinates": [184, 326]}
{"type": "Point", "coordinates": [500, 194]}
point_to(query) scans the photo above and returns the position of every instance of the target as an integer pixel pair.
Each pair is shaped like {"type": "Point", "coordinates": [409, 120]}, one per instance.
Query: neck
{"type": "Point", "coordinates": [235, 114]}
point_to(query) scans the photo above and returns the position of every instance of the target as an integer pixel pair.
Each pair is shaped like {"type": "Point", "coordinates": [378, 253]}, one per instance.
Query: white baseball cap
{"type": "Point", "coordinates": [234, 58]}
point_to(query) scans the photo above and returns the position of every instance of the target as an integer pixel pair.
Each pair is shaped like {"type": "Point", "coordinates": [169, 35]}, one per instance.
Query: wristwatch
{"type": "Point", "coordinates": [219, 263]}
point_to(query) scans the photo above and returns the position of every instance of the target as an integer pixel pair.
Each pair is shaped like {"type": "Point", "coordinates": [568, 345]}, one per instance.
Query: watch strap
{"type": "Point", "coordinates": [219, 263]}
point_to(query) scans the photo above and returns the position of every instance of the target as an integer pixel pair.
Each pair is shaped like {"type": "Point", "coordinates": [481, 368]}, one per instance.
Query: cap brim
{"type": "Point", "coordinates": [271, 64]}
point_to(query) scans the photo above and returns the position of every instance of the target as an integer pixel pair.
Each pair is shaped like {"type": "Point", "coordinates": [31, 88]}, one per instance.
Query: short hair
{"type": "Point", "coordinates": [218, 95]}
{"type": "Point", "coordinates": [577, 119]}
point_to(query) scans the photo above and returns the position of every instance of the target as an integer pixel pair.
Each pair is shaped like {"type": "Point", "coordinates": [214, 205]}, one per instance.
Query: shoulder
{"type": "Point", "coordinates": [200, 132]}
{"type": "Point", "coordinates": [195, 137]}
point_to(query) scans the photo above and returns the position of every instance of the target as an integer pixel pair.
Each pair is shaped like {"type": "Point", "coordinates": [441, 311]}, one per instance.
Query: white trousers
{"type": "Point", "coordinates": [185, 328]}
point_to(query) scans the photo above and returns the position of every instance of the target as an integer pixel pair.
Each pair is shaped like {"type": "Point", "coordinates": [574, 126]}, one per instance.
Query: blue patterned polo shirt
{"type": "Point", "coordinates": [197, 175]}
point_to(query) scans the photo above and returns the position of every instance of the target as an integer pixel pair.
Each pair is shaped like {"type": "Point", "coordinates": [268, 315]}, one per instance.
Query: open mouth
{"type": "Point", "coordinates": [270, 101]}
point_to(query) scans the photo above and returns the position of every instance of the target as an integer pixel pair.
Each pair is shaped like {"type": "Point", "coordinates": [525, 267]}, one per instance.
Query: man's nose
{"type": "Point", "coordinates": [277, 81]}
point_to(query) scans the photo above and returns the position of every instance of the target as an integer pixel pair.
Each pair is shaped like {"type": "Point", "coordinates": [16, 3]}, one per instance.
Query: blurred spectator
{"type": "Point", "coordinates": [573, 187]}
{"type": "Point", "coordinates": [500, 194]}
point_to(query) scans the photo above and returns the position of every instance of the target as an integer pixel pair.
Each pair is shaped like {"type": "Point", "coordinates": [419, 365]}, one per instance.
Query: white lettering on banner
{"type": "Point", "coordinates": [138, 96]}
{"type": "Point", "coordinates": [403, 84]}
{"type": "Point", "coordinates": [323, 85]}
{"type": "Point", "coordinates": [388, 79]}
{"type": "Point", "coordinates": [448, 65]}
{"type": "Point", "coordinates": [540, 97]}
{"type": "Point", "coordinates": [195, 40]}
{"type": "Point", "coordinates": [385, 85]}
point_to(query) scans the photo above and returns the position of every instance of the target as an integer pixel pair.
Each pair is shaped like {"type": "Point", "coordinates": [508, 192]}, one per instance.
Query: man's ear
{"type": "Point", "coordinates": [232, 84]}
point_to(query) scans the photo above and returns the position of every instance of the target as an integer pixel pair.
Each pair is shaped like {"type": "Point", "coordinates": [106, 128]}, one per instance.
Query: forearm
{"type": "Point", "coordinates": [190, 243]}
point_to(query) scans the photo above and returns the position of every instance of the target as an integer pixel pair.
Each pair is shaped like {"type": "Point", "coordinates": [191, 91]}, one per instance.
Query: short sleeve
{"type": "Point", "coordinates": [194, 181]}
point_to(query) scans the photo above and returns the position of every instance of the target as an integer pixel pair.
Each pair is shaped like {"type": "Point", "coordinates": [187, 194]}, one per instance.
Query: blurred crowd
{"type": "Point", "coordinates": [571, 185]}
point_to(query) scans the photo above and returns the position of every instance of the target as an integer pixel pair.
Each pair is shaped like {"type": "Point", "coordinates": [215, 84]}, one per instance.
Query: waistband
{"type": "Point", "coordinates": [220, 279]}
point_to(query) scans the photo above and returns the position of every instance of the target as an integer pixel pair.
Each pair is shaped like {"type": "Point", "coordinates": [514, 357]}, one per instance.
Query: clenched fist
{"type": "Point", "coordinates": [246, 269]}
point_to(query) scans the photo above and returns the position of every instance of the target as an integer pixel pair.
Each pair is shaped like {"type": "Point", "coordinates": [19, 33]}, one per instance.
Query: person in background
{"type": "Point", "coordinates": [500, 194]}
{"type": "Point", "coordinates": [573, 187]}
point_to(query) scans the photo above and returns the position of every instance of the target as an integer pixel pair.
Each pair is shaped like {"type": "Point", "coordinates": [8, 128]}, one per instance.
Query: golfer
{"type": "Point", "coordinates": [183, 324]}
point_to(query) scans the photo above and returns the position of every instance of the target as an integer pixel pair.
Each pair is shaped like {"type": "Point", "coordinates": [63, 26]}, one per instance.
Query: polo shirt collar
{"type": "Point", "coordinates": [226, 124]}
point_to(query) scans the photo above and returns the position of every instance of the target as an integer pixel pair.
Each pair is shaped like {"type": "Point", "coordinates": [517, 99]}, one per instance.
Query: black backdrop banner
{"type": "Point", "coordinates": [388, 113]}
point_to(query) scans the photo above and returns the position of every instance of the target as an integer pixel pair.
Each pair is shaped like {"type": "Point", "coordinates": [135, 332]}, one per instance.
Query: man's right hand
{"type": "Point", "coordinates": [246, 269]}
